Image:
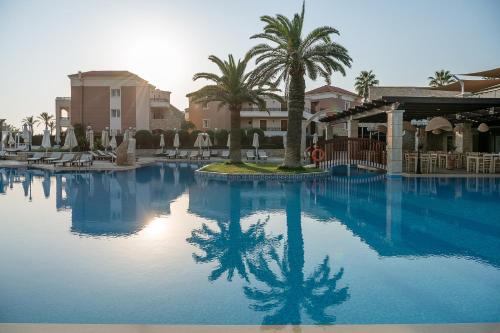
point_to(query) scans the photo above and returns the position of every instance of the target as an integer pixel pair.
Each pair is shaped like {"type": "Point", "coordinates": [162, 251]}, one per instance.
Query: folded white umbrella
{"type": "Point", "coordinates": [3, 139]}
{"type": "Point", "coordinates": [162, 141]}
{"type": "Point", "coordinates": [284, 141]}
{"type": "Point", "coordinates": [177, 143]}
{"type": "Point", "coordinates": [58, 137]}
{"type": "Point", "coordinates": [228, 141]}
{"type": "Point", "coordinates": [207, 143]}
{"type": "Point", "coordinates": [46, 140]}
{"type": "Point", "coordinates": [255, 142]}
{"type": "Point", "coordinates": [112, 143]}
{"type": "Point", "coordinates": [70, 141]}
{"type": "Point", "coordinates": [89, 135]}
{"type": "Point", "coordinates": [11, 140]}
{"type": "Point", "coordinates": [126, 135]}
{"type": "Point", "coordinates": [198, 143]}
{"type": "Point", "coordinates": [105, 138]}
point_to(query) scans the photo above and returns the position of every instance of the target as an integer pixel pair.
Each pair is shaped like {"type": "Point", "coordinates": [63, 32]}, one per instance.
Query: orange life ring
{"type": "Point", "coordinates": [318, 155]}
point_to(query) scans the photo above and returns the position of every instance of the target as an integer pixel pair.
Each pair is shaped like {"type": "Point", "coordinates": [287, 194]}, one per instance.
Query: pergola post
{"type": "Point", "coordinates": [463, 138]}
{"type": "Point", "coordinates": [394, 142]}
{"type": "Point", "coordinates": [352, 128]}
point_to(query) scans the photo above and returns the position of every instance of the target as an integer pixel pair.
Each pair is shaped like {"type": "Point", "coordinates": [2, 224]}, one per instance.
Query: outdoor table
{"type": "Point", "coordinates": [475, 159]}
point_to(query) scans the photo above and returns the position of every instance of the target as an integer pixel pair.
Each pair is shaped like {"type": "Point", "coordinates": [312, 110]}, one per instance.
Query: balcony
{"type": "Point", "coordinates": [159, 103]}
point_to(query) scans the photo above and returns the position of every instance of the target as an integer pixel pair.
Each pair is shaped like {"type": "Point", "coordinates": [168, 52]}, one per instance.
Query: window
{"type": "Point", "coordinates": [205, 106]}
{"type": "Point", "coordinates": [263, 124]}
{"type": "Point", "coordinates": [115, 92]}
{"type": "Point", "coordinates": [284, 124]}
{"type": "Point", "coordinates": [115, 113]}
{"type": "Point", "coordinates": [347, 105]}
{"type": "Point", "coordinates": [206, 123]}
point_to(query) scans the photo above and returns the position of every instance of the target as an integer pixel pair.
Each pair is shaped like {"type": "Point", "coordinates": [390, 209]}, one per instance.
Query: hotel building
{"type": "Point", "coordinates": [115, 99]}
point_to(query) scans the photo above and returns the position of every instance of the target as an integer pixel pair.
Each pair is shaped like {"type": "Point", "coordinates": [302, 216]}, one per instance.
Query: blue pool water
{"type": "Point", "coordinates": [158, 245]}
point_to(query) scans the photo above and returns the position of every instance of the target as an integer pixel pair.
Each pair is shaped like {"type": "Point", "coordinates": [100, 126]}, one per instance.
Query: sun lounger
{"type": "Point", "coordinates": [112, 156]}
{"type": "Point", "coordinates": [103, 155]}
{"type": "Point", "coordinates": [205, 155]}
{"type": "Point", "coordinates": [262, 155]}
{"type": "Point", "coordinates": [37, 157]}
{"type": "Point", "coordinates": [66, 159]}
{"type": "Point", "coordinates": [194, 155]}
{"type": "Point", "coordinates": [250, 155]}
{"type": "Point", "coordinates": [183, 154]}
{"type": "Point", "coordinates": [3, 155]}
{"type": "Point", "coordinates": [171, 154]}
{"type": "Point", "coordinates": [225, 154]}
{"type": "Point", "coordinates": [84, 159]}
{"type": "Point", "coordinates": [214, 153]}
{"type": "Point", "coordinates": [53, 157]}
{"type": "Point", "coordinates": [159, 152]}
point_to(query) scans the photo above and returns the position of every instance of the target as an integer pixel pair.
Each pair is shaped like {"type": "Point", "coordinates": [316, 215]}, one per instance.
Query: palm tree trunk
{"type": "Point", "coordinates": [235, 148]}
{"type": "Point", "coordinates": [296, 92]}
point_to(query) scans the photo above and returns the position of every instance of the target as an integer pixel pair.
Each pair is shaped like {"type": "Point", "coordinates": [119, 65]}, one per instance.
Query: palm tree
{"type": "Point", "coordinates": [232, 88]}
{"type": "Point", "coordinates": [292, 56]}
{"type": "Point", "coordinates": [45, 119]}
{"type": "Point", "coordinates": [290, 291]}
{"type": "Point", "coordinates": [52, 126]}
{"type": "Point", "coordinates": [441, 78]}
{"type": "Point", "coordinates": [364, 81]}
{"type": "Point", "coordinates": [231, 247]}
{"type": "Point", "coordinates": [30, 122]}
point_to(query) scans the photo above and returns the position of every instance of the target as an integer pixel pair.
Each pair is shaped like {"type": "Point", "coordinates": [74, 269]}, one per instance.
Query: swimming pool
{"type": "Point", "coordinates": [158, 245]}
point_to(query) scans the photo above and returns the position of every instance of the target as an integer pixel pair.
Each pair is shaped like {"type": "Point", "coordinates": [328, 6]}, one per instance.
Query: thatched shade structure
{"type": "Point", "coordinates": [437, 131]}
{"type": "Point", "coordinates": [439, 123]}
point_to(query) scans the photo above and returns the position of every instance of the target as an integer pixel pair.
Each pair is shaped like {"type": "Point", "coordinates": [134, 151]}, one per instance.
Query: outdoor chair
{"type": "Point", "coordinates": [205, 155]}
{"type": "Point", "coordinates": [112, 156]}
{"type": "Point", "coordinates": [183, 154]}
{"type": "Point", "coordinates": [103, 155]}
{"type": "Point", "coordinates": [250, 155]}
{"type": "Point", "coordinates": [194, 155]}
{"type": "Point", "coordinates": [214, 153]}
{"type": "Point", "coordinates": [159, 152]}
{"type": "Point", "coordinates": [3, 155]}
{"type": "Point", "coordinates": [53, 157]}
{"type": "Point", "coordinates": [171, 154]}
{"type": "Point", "coordinates": [37, 157]}
{"type": "Point", "coordinates": [225, 154]}
{"type": "Point", "coordinates": [66, 159]}
{"type": "Point", "coordinates": [262, 155]}
{"type": "Point", "coordinates": [84, 159]}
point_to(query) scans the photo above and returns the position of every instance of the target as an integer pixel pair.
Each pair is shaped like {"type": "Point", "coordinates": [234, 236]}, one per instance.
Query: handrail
{"type": "Point", "coordinates": [348, 151]}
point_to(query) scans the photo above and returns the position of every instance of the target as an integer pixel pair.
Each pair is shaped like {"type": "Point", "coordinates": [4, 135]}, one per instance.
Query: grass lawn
{"type": "Point", "coordinates": [253, 168]}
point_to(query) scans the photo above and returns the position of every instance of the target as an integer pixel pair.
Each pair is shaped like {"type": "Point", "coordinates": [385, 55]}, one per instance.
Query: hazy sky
{"type": "Point", "coordinates": [166, 42]}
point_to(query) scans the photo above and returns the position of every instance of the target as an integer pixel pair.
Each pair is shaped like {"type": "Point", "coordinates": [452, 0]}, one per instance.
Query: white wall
{"type": "Point", "coordinates": [115, 102]}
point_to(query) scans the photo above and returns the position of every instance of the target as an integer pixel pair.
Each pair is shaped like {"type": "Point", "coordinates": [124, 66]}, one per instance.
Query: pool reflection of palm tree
{"type": "Point", "coordinates": [230, 246]}
{"type": "Point", "coordinates": [289, 291]}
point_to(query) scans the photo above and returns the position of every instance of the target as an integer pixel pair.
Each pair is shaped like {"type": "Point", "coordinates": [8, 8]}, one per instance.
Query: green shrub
{"type": "Point", "coordinates": [144, 139]}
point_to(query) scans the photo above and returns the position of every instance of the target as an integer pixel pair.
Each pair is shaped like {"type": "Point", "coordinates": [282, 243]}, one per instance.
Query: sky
{"type": "Point", "coordinates": [166, 42]}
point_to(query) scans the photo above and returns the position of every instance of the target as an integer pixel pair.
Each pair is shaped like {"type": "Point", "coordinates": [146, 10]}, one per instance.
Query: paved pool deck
{"type": "Point", "coordinates": [108, 328]}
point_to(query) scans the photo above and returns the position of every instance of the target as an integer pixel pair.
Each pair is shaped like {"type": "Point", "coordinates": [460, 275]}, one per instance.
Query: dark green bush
{"type": "Point", "coordinates": [144, 139]}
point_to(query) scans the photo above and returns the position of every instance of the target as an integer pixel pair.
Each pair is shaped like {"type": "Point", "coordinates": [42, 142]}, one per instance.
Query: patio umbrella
{"type": "Point", "coordinates": [207, 143]}
{"type": "Point", "coordinates": [126, 135]}
{"type": "Point", "coordinates": [439, 123]}
{"type": "Point", "coordinates": [315, 139]}
{"type": "Point", "coordinates": [162, 141]}
{"type": "Point", "coordinates": [176, 141]}
{"type": "Point", "coordinates": [70, 141]}
{"type": "Point", "coordinates": [284, 141]}
{"type": "Point", "coordinates": [228, 141]}
{"type": "Point", "coordinates": [105, 138]}
{"type": "Point", "coordinates": [46, 140]}
{"type": "Point", "coordinates": [483, 128]}
{"type": "Point", "coordinates": [58, 137]}
{"type": "Point", "coordinates": [89, 135]}
{"type": "Point", "coordinates": [46, 185]}
{"type": "Point", "coordinates": [11, 140]}
{"type": "Point", "coordinates": [26, 133]}
{"type": "Point", "coordinates": [255, 142]}
{"type": "Point", "coordinates": [112, 143]}
{"type": "Point", "coordinates": [198, 143]}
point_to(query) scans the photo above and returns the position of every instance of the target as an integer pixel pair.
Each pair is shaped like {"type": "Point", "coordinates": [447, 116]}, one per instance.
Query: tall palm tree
{"type": "Point", "coordinates": [289, 58]}
{"type": "Point", "coordinates": [441, 78]}
{"type": "Point", "coordinates": [30, 122]}
{"type": "Point", "coordinates": [52, 126]}
{"type": "Point", "coordinates": [232, 88]}
{"type": "Point", "coordinates": [45, 119]}
{"type": "Point", "coordinates": [290, 291]}
{"type": "Point", "coordinates": [364, 81]}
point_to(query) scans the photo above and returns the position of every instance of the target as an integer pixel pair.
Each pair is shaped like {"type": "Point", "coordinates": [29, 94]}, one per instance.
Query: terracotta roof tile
{"type": "Point", "coordinates": [331, 89]}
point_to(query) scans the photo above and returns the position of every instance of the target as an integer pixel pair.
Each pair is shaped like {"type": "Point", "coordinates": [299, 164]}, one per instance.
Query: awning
{"type": "Point", "coordinates": [470, 85]}
{"type": "Point", "coordinates": [492, 73]}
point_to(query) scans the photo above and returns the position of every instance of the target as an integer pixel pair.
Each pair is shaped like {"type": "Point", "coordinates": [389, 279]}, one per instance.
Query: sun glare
{"type": "Point", "coordinates": [157, 228]}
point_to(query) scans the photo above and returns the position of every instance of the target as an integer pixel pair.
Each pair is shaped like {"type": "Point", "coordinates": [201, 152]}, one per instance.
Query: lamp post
{"type": "Point", "coordinates": [421, 123]}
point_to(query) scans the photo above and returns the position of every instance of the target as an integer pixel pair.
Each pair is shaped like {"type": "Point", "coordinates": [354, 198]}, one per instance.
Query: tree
{"type": "Point", "coordinates": [52, 126]}
{"type": "Point", "coordinates": [292, 56]}
{"type": "Point", "coordinates": [441, 78]}
{"type": "Point", "coordinates": [45, 119]}
{"type": "Point", "coordinates": [364, 81]}
{"type": "Point", "coordinates": [187, 125]}
{"type": "Point", "coordinates": [232, 88]}
{"type": "Point", "coordinates": [30, 122]}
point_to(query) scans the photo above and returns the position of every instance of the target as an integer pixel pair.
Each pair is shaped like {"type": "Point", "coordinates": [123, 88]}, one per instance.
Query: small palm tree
{"type": "Point", "coordinates": [232, 88]}
{"type": "Point", "coordinates": [441, 78]}
{"type": "Point", "coordinates": [364, 81]}
{"type": "Point", "coordinates": [30, 122]}
{"type": "Point", "coordinates": [52, 126]}
{"type": "Point", "coordinates": [290, 57]}
{"type": "Point", "coordinates": [45, 119]}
